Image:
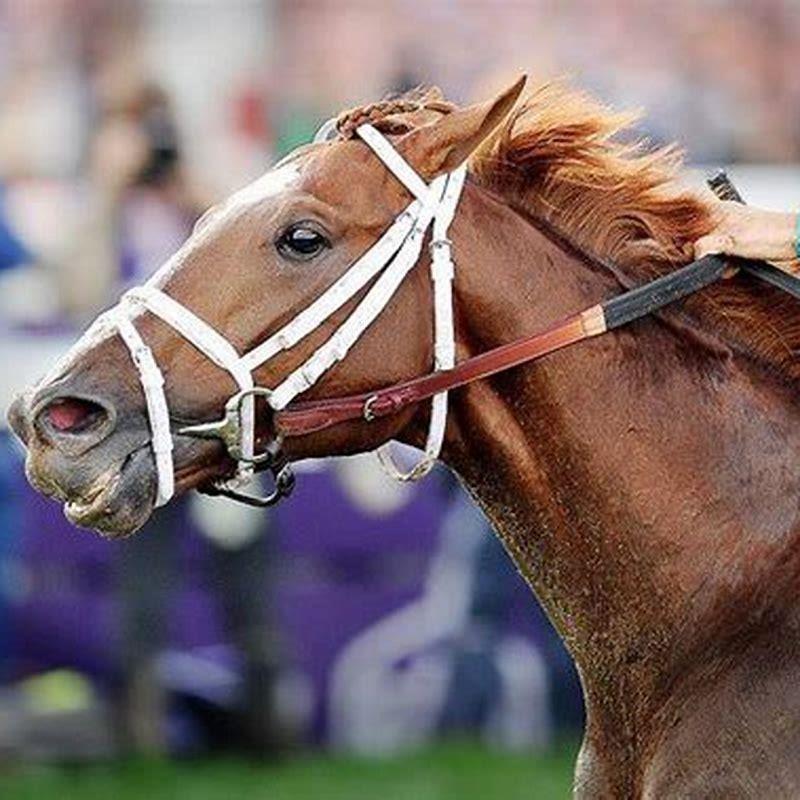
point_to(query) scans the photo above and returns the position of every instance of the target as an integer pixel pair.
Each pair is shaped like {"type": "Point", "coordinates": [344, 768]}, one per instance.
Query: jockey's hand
{"type": "Point", "coordinates": [750, 233]}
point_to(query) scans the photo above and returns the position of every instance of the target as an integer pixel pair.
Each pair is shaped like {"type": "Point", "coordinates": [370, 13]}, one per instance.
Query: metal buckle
{"type": "Point", "coordinates": [229, 428]}
{"type": "Point", "coordinates": [442, 243]}
{"type": "Point", "coordinates": [367, 412]}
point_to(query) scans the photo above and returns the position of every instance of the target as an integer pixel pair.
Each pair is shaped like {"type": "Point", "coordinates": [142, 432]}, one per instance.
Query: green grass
{"type": "Point", "coordinates": [461, 771]}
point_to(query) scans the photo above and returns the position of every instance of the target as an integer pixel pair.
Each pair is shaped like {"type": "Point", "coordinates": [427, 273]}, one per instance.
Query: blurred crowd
{"type": "Point", "coordinates": [122, 120]}
{"type": "Point", "coordinates": [89, 87]}
{"type": "Point", "coordinates": [718, 75]}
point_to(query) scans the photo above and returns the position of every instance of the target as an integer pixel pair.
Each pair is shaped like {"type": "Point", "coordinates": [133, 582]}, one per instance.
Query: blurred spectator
{"type": "Point", "coordinates": [26, 291]}
{"type": "Point", "coordinates": [237, 544]}
{"type": "Point", "coordinates": [446, 663]}
{"type": "Point", "coordinates": [140, 204]}
{"type": "Point", "coordinates": [719, 77]}
{"type": "Point", "coordinates": [149, 209]}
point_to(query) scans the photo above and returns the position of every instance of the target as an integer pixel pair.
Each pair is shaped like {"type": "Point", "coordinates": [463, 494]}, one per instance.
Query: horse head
{"type": "Point", "coordinates": [252, 265]}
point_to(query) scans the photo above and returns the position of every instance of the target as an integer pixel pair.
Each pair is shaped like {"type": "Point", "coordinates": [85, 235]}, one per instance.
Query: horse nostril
{"type": "Point", "coordinates": [73, 415]}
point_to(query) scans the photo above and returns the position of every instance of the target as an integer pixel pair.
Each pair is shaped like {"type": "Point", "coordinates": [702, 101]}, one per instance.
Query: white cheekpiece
{"type": "Point", "coordinates": [388, 262]}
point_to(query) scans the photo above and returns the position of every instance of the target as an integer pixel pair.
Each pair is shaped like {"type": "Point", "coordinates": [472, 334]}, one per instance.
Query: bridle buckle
{"type": "Point", "coordinates": [368, 412]}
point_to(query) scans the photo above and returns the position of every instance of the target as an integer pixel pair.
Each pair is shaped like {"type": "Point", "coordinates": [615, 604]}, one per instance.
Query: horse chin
{"type": "Point", "coordinates": [113, 492]}
{"type": "Point", "coordinates": [120, 501]}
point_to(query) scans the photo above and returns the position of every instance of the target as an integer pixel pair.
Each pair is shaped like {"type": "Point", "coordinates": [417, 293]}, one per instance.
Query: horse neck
{"type": "Point", "coordinates": [645, 482]}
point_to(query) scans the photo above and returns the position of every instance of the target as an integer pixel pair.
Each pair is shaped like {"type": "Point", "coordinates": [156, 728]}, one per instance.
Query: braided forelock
{"type": "Point", "coordinates": [393, 115]}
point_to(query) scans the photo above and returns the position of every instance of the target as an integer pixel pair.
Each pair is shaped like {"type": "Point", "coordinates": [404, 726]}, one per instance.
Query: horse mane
{"type": "Point", "coordinates": [573, 164]}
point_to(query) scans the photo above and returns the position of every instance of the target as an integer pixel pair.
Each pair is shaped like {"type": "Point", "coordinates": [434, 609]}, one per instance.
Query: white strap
{"type": "Point", "coordinates": [157, 409]}
{"type": "Point", "coordinates": [330, 301]}
{"type": "Point", "coordinates": [396, 164]}
{"type": "Point", "coordinates": [195, 330]}
{"type": "Point", "coordinates": [433, 446]}
{"type": "Point", "coordinates": [442, 274]}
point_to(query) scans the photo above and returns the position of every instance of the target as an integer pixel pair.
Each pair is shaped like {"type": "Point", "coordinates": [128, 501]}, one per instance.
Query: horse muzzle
{"type": "Point", "coordinates": [77, 454]}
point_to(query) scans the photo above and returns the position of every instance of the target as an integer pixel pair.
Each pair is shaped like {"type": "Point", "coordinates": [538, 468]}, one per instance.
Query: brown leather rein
{"type": "Point", "coordinates": [316, 415]}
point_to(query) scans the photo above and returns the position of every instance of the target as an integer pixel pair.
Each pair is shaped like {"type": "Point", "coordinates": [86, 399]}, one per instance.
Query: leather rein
{"type": "Point", "coordinates": [310, 416]}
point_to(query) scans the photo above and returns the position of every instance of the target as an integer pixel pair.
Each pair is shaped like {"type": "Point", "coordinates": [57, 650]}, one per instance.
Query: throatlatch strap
{"type": "Point", "coordinates": [442, 275]}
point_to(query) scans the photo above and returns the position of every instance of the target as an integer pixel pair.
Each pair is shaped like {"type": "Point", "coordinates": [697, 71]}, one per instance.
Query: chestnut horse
{"type": "Point", "coordinates": [644, 482]}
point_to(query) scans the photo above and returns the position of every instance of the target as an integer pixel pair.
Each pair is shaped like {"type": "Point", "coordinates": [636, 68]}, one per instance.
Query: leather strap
{"type": "Point", "coordinates": [311, 416]}
{"type": "Point", "coordinates": [316, 415]}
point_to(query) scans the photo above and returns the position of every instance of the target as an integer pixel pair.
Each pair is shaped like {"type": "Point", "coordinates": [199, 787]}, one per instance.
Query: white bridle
{"type": "Point", "coordinates": [388, 261]}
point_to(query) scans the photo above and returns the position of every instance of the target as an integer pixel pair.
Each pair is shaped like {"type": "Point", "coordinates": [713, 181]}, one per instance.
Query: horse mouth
{"type": "Point", "coordinates": [119, 501]}
{"type": "Point", "coordinates": [112, 489]}
{"type": "Point", "coordinates": [96, 503]}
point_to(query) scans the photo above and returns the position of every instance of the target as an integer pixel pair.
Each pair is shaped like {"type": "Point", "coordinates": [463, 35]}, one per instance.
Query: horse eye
{"type": "Point", "coordinates": [301, 242]}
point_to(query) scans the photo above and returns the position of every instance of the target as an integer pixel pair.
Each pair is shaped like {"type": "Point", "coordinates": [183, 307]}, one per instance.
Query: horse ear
{"type": "Point", "coordinates": [445, 144]}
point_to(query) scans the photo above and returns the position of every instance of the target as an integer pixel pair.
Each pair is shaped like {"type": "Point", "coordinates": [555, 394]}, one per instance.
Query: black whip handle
{"type": "Point", "coordinates": [663, 291]}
